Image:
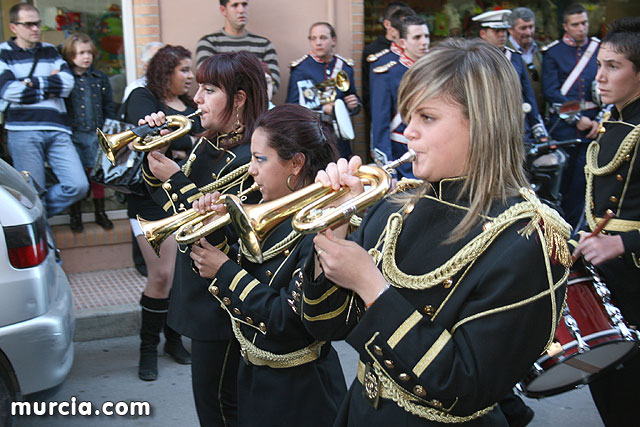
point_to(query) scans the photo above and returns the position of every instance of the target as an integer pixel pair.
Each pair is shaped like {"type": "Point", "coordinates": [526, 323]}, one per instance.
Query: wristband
{"type": "Point", "coordinates": [382, 291]}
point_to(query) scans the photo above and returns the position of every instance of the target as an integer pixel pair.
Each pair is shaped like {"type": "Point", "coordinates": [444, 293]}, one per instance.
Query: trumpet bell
{"type": "Point", "coordinates": [111, 144]}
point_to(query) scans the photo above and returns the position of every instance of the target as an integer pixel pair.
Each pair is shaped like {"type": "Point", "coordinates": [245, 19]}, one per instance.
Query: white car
{"type": "Point", "coordinates": [36, 311]}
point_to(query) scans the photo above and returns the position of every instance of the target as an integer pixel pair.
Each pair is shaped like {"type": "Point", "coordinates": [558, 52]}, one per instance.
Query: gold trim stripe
{"type": "Point", "coordinates": [247, 289]}
{"type": "Point", "coordinates": [431, 354]}
{"type": "Point", "coordinates": [404, 328]}
{"type": "Point", "coordinates": [322, 298]}
{"type": "Point", "coordinates": [620, 225]}
{"type": "Point", "coordinates": [234, 282]}
{"type": "Point", "coordinates": [167, 205]}
{"type": "Point", "coordinates": [194, 197]}
{"type": "Point", "coordinates": [330, 315]}
{"type": "Point", "coordinates": [187, 188]}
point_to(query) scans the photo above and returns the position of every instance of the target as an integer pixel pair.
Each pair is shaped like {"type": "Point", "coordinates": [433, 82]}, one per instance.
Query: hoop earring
{"type": "Point", "coordinates": [289, 183]}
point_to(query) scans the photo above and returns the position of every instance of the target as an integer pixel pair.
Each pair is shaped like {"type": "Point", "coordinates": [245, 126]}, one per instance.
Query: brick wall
{"type": "Point", "coordinates": [360, 145]}
{"type": "Point", "coordinates": [146, 26]}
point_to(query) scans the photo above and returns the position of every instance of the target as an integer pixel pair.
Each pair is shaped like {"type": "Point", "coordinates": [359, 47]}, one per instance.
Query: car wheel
{"type": "Point", "coordinates": [6, 396]}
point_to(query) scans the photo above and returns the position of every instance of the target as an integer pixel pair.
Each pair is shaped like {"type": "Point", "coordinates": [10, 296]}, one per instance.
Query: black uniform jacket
{"type": "Point", "coordinates": [468, 331]}
{"type": "Point", "coordinates": [192, 310]}
{"type": "Point", "coordinates": [613, 176]}
{"type": "Point", "coordinates": [262, 300]}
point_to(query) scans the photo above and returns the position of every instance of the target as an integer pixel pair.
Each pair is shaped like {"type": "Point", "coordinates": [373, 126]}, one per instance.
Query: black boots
{"type": "Point", "coordinates": [101, 217]}
{"type": "Point", "coordinates": [173, 346]}
{"type": "Point", "coordinates": [75, 217]}
{"type": "Point", "coordinates": [154, 315]}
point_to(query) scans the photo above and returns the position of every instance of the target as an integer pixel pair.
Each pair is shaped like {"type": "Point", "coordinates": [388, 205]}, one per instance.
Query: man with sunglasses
{"type": "Point", "coordinates": [521, 38]}
{"type": "Point", "coordinates": [34, 79]}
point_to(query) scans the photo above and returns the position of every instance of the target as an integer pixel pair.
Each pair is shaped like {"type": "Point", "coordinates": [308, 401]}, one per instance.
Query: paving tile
{"type": "Point", "coordinates": [106, 288]}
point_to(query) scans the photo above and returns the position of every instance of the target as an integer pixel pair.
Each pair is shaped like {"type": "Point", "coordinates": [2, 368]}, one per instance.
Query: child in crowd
{"type": "Point", "coordinates": [89, 104]}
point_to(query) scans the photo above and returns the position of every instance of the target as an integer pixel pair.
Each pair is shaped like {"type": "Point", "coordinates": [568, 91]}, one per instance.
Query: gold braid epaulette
{"type": "Point", "coordinates": [273, 360]}
{"type": "Point", "coordinates": [556, 232]}
{"type": "Point", "coordinates": [592, 169]}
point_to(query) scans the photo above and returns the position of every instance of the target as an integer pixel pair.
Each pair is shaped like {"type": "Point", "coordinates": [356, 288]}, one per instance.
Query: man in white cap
{"type": "Point", "coordinates": [493, 30]}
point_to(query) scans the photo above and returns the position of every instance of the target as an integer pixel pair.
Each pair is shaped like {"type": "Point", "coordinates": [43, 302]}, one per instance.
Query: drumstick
{"type": "Point", "coordinates": [599, 227]}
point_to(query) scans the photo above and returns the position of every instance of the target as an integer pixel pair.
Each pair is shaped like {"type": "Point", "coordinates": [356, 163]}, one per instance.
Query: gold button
{"type": "Point", "coordinates": [215, 290]}
{"type": "Point", "coordinates": [269, 273]}
{"type": "Point", "coordinates": [226, 301]}
{"type": "Point", "coordinates": [377, 350]}
{"type": "Point", "coordinates": [436, 404]}
{"type": "Point", "coordinates": [228, 159]}
{"type": "Point", "coordinates": [174, 197]}
{"type": "Point", "coordinates": [237, 311]}
{"type": "Point", "coordinates": [287, 252]}
{"type": "Point", "coordinates": [214, 176]}
{"type": "Point", "coordinates": [613, 199]}
{"type": "Point", "coordinates": [404, 377]}
{"type": "Point", "coordinates": [627, 158]}
{"type": "Point", "coordinates": [192, 157]}
{"type": "Point", "coordinates": [298, 284]}
{"type": "Point", "coordinates": [419, 391]}
{"type": "Point", "coordinates": [296, 296]}
{"type": "Point", "coordinates": [447, 283]}
{"type": "Point", "coordinates": [181, 206]}
{"type": "Point", "coordinates": [300, 275]}
{"type": "Point", "coordinates": [249, 320]}
{"type": "Point", "coordinates": [389, 364]}
{"type": "Point", "coordinates": [293, 306]}
{"type": "Point", "coordinates": [262, 327]}
{"type": "Point", "coordinates": [619, 177]}
{"type": "Point", "coordinates": [429, 310]}
{"type": "Point", "coordinates": [166, 186]}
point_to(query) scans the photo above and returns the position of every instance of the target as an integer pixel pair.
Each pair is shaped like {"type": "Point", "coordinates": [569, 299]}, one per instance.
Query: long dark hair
{"type": "Point", "coordinates": [160, 71]}
{"type": "Point", "coordinates": [292, 129]}
{"type": "Point", "coordinates": [232, 72]}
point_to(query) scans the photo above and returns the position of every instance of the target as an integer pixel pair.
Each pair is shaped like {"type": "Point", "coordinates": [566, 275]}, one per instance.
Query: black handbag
{"type": "Point", "coordinates": [126, 175]}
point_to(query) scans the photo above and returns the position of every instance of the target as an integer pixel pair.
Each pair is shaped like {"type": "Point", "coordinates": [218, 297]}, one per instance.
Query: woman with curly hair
{"type": "Point", "coordinates": [169, 77]}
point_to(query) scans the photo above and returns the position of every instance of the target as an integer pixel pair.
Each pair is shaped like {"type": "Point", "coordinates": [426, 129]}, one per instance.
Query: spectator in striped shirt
{"type": "Point", "coordinates": [234, 37]}
{"type": "Point", "coordinates": [34, 79]}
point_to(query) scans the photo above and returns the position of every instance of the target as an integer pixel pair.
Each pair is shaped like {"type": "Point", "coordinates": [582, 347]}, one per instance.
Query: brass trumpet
{"type": "Point", "coordinates": [329, 86]}
{"type": "Point", "coordinates": [252, 223]}
{"type": "Point", "coordinates": [157, 232]}
{"type": "Point", "coordinates": [144, 138]}
{"type": "Point", "coordinates": [315, 216]}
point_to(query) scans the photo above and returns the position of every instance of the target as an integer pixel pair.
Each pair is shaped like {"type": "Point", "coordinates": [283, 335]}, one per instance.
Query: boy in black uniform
{"type": "Point", "coordinates": [613, 182]}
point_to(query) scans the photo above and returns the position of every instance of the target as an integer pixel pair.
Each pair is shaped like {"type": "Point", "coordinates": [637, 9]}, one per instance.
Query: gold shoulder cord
{"type": "Point", "coordinates": [592, 169]}
{"type": "Point", "coordinates": [274, 250]}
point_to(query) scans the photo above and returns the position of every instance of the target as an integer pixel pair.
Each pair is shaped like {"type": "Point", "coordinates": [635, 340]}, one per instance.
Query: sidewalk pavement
{"type": "Point", "coordinates": [106, 303]}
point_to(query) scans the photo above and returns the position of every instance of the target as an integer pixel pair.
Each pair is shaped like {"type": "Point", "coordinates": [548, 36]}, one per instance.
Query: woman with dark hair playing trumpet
{"type": "Point", "coordinates": [450, 290]}
{"type": "Point", "coordinates": [232, 93]}
{"type": "Point", "coordinates": [288, 378]}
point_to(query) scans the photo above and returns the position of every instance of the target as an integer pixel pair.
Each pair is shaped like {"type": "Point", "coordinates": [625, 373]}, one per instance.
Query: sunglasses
{"type": "Point", "coordinates": [533, 72]}
{"type": "Point", "coordinates": [30, 24]}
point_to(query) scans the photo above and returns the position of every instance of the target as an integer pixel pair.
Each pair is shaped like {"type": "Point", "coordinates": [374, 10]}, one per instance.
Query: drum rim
{"type": "Point", "coordinates": [522, 385]}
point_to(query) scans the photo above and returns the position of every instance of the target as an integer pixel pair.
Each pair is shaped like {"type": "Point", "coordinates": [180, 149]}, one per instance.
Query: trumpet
{"type": "Point", "coordinates": [144, 138]}
{"type": "Point", "coordinates": [252, 223]}
{"type": "Point", "coordinates": [315, 216]}
{"type": "Point", "coordinates": [156, 232]}
{"type": "Point", "coordinates": [329, 86]}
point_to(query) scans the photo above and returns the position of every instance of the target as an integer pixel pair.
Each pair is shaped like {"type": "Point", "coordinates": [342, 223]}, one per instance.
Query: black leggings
{"type": "Point", "coordinates": [214, 374]}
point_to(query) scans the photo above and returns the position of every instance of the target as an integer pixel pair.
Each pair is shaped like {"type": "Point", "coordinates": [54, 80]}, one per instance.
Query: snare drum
{"type": "Point", "coordinates": [342, 122]}
{"type": "Point", "coordinates": [591, 337]}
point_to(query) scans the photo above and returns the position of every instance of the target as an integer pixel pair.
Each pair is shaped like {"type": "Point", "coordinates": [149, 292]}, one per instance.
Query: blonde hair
{"type": "Point", "coordinates": [479, 79]}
